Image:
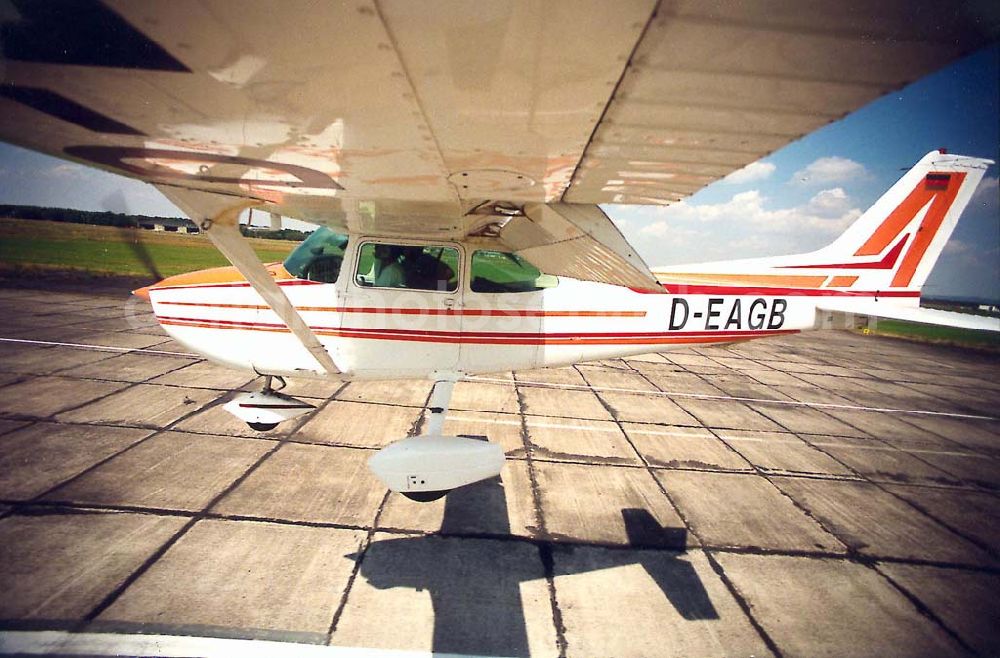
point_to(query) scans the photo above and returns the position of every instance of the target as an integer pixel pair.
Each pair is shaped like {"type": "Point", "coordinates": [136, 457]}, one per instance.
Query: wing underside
{"type": "Point", "coordinates": [403, 118]}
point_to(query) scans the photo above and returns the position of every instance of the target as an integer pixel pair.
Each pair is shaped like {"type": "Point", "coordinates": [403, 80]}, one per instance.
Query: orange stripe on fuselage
{"type": "Point", "coordinates": [218, 275]}
{"type": "Point", "coordinates": [928, 229]}
{"type": "Point", "coordinates": [842, 282]}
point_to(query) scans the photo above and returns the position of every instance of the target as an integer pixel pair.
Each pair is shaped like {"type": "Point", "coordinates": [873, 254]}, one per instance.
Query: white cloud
{"type": "Point", "coordinates": [989, 185]}
{"type": "Point", "coordinates": [956, 247]}
{"type": "Point", "coordinates": [744, 226]}
{"type": "Point", "coordinates": [755, 171]}
{"type": "Point", "coordinates": [829, 170]}
{"type": "Point", "coordinates": [828, 210]}
{"type": "Point", "coordinates": [656, 229]}
{"type": "Point", "coordinates": [988, 191]}
{"type": "Point", "coordinates": [663, 228]}
{"type": "Point", "coordinates": [67, 170]}
{"type": "Point", "coordinates": [830, 202]}
{"type": "Point", "coordinates": [756, 243]}
{"type": "Point", "coordinates": [973, 255]}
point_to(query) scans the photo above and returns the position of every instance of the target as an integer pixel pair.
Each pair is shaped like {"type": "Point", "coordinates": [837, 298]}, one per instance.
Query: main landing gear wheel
{"type": "Point", "coordinates": [425, 496]}
{"type": "Point", "coordinates": [262, 427]}
{"type": "Point", "coordinates": [427, 467]}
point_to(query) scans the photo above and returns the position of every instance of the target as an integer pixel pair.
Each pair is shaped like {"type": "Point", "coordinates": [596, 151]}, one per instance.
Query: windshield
{"type": "Point", "coordinates": [319, 256]}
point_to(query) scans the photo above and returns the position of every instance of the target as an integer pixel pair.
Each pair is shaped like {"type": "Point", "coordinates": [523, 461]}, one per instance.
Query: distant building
{"type": "Point", "coordinates": [169, 224]}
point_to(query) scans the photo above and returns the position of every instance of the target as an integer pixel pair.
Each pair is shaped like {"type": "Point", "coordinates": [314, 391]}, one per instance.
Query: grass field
{"type": "Point", "coordinates": [944, 335]}
{"type": "Point", "coordinates": [33, 245]}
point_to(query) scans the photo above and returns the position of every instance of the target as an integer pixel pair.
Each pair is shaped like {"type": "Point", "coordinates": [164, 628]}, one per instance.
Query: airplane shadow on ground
{"type": "Point", "coordinates": [475, 585]}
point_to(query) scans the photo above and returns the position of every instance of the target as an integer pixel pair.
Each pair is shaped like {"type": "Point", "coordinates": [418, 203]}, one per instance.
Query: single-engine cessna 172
{"type": "Point", "coordinates": [454, 154]}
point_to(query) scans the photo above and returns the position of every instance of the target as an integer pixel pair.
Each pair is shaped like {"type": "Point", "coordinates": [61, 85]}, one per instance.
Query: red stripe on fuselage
{"type": "Point", "coordinates": [489, 338]}
{"type": "Point", "coordinates": [684, 289]}
{"type": "Point", "coordinates": [887, 263]}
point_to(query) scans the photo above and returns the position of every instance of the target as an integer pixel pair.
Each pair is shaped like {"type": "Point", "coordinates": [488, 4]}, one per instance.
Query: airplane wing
{"type": "Point", "coordinates": [839, 313]}
{"type": "Point", "coordinates": [450, 118]}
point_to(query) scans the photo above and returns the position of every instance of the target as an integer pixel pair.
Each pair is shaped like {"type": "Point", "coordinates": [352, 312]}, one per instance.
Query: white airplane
{"type": "Point", "coordinates": [455, 153]}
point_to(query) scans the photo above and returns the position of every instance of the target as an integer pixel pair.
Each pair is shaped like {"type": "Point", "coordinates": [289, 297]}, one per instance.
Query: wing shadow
{"type": "Point", "coordinates": [475, 583]}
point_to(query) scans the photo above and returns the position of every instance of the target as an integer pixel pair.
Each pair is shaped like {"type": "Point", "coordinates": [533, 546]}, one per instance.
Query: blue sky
{"type": "Point", "coordinates": [805, 194]}
{"type": "Point", "coordinates": [797, 199]}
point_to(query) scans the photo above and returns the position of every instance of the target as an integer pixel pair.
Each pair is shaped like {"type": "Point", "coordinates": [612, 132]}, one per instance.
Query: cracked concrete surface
{"type": "Point", "coordinates": [671, 519]}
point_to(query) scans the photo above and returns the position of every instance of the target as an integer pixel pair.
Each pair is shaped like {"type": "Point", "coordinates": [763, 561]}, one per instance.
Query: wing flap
{"type": "Point", "coordinates": [578, 241]}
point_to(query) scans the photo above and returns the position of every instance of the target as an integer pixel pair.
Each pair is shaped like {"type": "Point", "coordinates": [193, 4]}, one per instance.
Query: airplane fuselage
{"type": "Point", "coordinates": [382, 333]}
{"type": "Point", "coordinates": [389, 307]}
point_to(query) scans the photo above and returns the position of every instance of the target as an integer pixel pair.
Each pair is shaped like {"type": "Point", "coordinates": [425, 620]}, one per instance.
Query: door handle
{"type": "Point", "coordinates": [449, 302]}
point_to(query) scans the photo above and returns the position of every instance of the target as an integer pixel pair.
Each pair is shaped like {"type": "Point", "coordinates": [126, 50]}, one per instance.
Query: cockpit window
{"type": "Point", "coordinates": [498, 271]}
{"type": "Point", "coordinates": [319, 257]}
{"type": "Point", "coordinates": [407, 266]}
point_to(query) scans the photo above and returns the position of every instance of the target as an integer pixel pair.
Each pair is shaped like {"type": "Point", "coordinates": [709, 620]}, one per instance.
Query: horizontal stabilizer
{"type": "Point", "coordinates": [843, 313]}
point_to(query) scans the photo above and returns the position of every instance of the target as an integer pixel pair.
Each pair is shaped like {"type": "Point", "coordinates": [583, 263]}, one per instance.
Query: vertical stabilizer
{"type": "Point", "coordinates": [896, 242]}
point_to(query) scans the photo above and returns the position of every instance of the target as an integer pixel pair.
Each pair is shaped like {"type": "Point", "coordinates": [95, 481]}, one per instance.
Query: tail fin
{"type": "Point", "coordinates": [897, 241]}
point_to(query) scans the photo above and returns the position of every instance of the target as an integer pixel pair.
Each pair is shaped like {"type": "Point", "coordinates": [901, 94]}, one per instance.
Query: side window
{"type": "Point", "coordinates": [319, 257]}
{"type": "Point", "coordinates": [497, 271]}
{"type": "Point", "coordinates": [407, 266]}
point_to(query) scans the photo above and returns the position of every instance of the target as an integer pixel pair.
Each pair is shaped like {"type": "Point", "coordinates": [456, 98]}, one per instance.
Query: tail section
{"type": "Point", "coordinates": [897, 241]}
{"type": "Point", "coordinates": [895, 244]}
{"type": "Point", "coordinates": [888, 251]}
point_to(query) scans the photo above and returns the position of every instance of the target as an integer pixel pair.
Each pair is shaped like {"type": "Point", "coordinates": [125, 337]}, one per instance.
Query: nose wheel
{"type": "Point", "coordinates": [264, 410]}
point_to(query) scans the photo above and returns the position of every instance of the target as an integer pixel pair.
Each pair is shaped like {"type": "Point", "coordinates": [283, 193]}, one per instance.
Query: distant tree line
{"type": "Point", "coordinates": [107, 218]}
{"type": "Point", "coordinates": [73, 216]}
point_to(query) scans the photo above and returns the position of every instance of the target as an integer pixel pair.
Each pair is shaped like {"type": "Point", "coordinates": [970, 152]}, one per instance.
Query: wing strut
{"type": "Point", "coordinates": [223, 230]}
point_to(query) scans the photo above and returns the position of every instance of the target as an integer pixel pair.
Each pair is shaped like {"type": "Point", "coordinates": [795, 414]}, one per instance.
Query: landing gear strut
{"type": "Point", "coordinates": [264, 410]}
{"type": "Point", "coordinates": [267, 390]}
